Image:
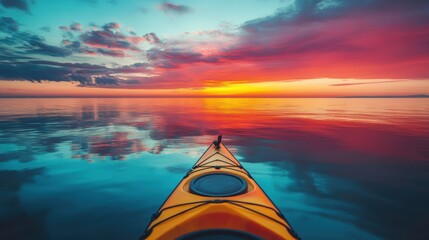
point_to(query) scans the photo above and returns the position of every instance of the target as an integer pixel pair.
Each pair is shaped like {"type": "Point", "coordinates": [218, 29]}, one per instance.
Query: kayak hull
{"type": "Point", "coordinates": [189, 210]}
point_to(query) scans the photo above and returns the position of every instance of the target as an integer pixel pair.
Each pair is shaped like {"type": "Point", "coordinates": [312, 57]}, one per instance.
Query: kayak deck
{"type": "Point", "coordinates": [217, 195]}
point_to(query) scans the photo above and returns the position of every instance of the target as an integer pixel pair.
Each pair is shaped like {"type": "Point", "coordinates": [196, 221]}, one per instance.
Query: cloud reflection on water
{"type": "Point", "coordinates": [359, 162]}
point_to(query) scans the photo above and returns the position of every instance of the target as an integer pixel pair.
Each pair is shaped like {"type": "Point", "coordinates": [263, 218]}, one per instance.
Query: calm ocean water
{"type": "Point", "coordinates": [98, 168]}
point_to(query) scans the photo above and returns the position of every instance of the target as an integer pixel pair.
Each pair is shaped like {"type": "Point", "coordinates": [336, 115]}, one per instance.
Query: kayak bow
{"type": "Point", "coordinates": [218, 199]}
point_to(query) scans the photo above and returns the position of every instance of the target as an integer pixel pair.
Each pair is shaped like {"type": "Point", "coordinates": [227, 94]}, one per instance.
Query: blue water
{"type": "Point", "coordinates": [98, 168]}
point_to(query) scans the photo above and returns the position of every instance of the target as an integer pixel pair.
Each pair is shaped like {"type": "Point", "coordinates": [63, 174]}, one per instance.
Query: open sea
{"type": "Point", "coordinates": [97, 168]}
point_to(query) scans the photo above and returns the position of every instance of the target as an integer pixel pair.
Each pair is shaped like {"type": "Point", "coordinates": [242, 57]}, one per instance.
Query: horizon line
{"type": "Point", "coordinates": [387, 96]}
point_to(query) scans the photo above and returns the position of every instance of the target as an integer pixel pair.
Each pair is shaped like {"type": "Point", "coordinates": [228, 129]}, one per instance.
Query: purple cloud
{"type": "Point", "coordinates": [110, 52]}
{"type": "Point", "coordinates": [168, 7]}
{"type": "Point", "coordinates": [107, 38]}
{"type": "Point", "coordinates": [110, 26]}
{"type": "Point", "coordinates": [18, 4]}
{"type": "Point", "coordinates": [173, 58]}
{"type": "Point", "coordinates": [151, 38]}
{"type": "Point", "coordinates": [76, 27]}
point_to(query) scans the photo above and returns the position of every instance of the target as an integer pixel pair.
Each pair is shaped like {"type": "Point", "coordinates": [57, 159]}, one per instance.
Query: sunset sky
{"type": "Point", "coordinates": [244, 48]}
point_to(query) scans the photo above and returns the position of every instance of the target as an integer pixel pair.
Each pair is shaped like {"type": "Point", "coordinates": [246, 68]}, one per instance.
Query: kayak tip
{"type": "Point", "coordinates": [217, 143]}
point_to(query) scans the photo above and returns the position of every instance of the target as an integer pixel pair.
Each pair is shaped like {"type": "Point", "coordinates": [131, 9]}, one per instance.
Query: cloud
{"type": "Point", "coordinates": [361, 83]}
{"type": "Point", "coordinates": [36, 45]}
{"type": "Point", "coordinates": [106, 81]}
{"type": "Point", "coordinates": [19, 50]}
{"type": "Point", "coordinates": [81, 66]}
{"type": "Point", "coordinates": [111, 26]}
{"type": "Point", "coordinates": [107, 38]}
{"type": "Point", "coordinates": [38, 71]}
{"type": "Point", "coordinates": [18, 4]}
{"type": "Point", "coordinates": [87, 75]}
{"type": "Point", "coordinates": [168, 7]}
{"type": "Point", "coordinates": [34, 72]}
{"type": "Point", "coordinates": [45, 29]}
{"type": "Point", "coordinates": [110, 52]}
{"type": "Point", "coordinates": [24, 43]}
{"type": "Point", "coordinates": [8, 54]}
{"type": "Point", "coordinates": [8, 25]}
{"type": "Point", "coordinates": [76, 27]}
{"type": "Point", "coordinates": [309, 39]}
{"type": "Point", "coordinates": [151, 38]}
{"type": "Point", "coordinates": [20, 43]}
{"type": "Point", "coordinates": [173, 58]}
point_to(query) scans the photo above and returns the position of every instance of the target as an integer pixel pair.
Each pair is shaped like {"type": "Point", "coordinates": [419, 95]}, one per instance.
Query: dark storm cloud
{"type": "Point", "coordinates": [18, 4]}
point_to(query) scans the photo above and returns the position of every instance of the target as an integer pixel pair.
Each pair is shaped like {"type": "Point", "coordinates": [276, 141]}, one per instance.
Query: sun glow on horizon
{"type": "Point", "coordinates": [323, 87]}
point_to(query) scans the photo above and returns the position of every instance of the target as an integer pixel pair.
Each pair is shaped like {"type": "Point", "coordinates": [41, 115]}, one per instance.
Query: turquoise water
{"type": "Point", "coordinates": [98, 168]}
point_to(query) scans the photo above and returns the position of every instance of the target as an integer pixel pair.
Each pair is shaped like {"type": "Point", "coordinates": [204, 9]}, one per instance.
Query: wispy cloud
{"type": "Point", "coordinates": [313, 39]}
{"type": "Point", "coordinates": [361, 83]}
{"type": "Point", "coordinates": [8, 25]}
{"type": "Point", "coordinates": [45, 29]}
{"type": "Point", "coordinates": [27, 43]}
{"type": "Point", "coordinates": [106, 40]}
{"type": "Point", "coordinates": [343, 39]}
{"type": "Point", "coordinates": [168, 7]}
{"type": "Point", "coordinates": [18, 4]}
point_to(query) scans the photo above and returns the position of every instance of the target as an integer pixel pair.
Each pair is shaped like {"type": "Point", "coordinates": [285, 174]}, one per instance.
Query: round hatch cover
{"type": "Point", "coordinates": [218, 185]}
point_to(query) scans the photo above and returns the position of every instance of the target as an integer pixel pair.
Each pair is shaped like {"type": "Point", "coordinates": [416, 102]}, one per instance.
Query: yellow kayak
{"type": "Point", "coordinates": [218, 199]}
